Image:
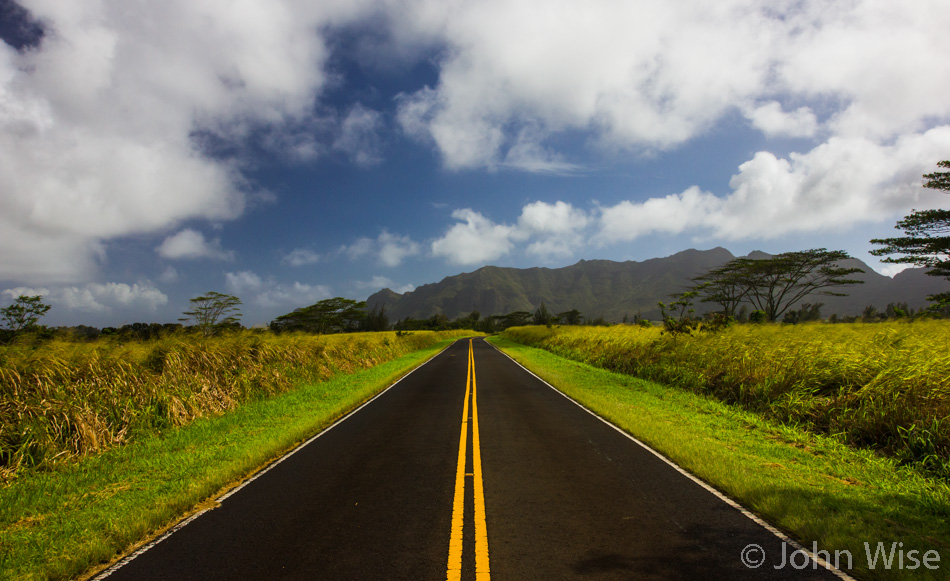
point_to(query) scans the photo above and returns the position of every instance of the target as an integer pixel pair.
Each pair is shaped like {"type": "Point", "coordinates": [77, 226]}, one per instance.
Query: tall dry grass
{"type": "Point", "coordinates": [880, 385]}
{"type": "Point", "coordinates": [60, 400]}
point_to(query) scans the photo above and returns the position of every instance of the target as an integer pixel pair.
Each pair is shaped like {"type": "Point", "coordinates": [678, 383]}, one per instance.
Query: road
{"type": "Point", "coordinates": [469, 468]}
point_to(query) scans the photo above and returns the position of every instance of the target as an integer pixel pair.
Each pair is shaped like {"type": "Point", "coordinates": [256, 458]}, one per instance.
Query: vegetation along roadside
{"type": "Point", "coordinates": [815, 487]}
{"type": "Point", "coordinates": [59, 518]}
{"type": "Point", "coordinates": [884, 386]}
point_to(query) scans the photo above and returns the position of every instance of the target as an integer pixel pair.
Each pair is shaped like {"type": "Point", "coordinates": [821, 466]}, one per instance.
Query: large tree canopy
{"type": "Point", "coordinates": [775, 284]}
{"type": "Point", "coordinates": [24, 313]}
{"type": "Point", "coordinates": [213, 311]}
{"type": "Point", "coordinates": [336, 315]}
{"type": "Point", "coordinates": [926, 240]}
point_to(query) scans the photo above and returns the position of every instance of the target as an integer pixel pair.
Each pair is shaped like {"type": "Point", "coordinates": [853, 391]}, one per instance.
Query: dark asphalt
{"type": "Point", "coordinates": [567, 496]}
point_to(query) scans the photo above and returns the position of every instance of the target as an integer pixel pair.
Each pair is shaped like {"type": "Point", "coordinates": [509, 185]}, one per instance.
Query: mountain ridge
{"type": "Point", "coordinates": [598, 287]}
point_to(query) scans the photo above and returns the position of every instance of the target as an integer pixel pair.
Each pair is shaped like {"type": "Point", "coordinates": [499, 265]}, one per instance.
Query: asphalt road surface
{"type": "Point", "coordinates": [471, 468]}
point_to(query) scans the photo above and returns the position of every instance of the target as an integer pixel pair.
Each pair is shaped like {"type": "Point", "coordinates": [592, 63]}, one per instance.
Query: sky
{"type": "Point", "coordinates": [289, 151]}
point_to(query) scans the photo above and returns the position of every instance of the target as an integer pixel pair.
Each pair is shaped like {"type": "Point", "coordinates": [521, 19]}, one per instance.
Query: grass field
{"type": "Point", "coordinates": [883, 386]}
{"type": "Point", "coordinates": [62, 400]}
{"type": "Point", "coordinates": [814, 487]}
{"type": "Point", "coordinates": [60, 518]}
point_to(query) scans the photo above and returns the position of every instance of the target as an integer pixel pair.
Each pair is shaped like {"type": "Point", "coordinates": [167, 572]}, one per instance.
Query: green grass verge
{"type": "Point", "coordinates": [814, 488]}
{"type": "Point", "coordinates": [58, 524]}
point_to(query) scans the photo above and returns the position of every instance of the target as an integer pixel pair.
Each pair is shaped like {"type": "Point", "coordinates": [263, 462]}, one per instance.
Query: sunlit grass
{"type": "Point", "coordinates": [57, 522]}
{"type": "Point", "coordinates": [814, 487]}
{"type": "Point", "coordinates": [884, 386]}
{"type": "Point", "coordinates": [62, 400]}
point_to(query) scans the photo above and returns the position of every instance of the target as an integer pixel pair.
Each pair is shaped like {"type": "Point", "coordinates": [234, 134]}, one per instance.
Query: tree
{"type": "Point", "coordinates": [807, 312]}
{"type": "Point", "coordinates": [571, 317]}
{"type": "Point", "coordinates": [213, 312]}
{"type": "Point", "coordinates": [683, 322]}
{"type": "Point", "coordinates": [376, 319]}
{"type": "Point", "coordinates": [724, 286]}
{"type": "Point", "coordinates": [542, 316]}
{"type": "Point", "coordinates": [24, 313]}
{"type": "Point", "coordinates": [926, 240]}
{"type": "Point", "coordinates": [775, 284]}
{"type": "Point", "coordinates": [515, 319]}
{"type": "Point", "coordinates": [336, 315]}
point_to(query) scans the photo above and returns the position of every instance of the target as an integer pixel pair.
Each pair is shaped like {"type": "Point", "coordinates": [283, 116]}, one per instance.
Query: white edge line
{"type": "Point", "coordinates": [129, 558]}
{"type": "Point", "coordinates": [721, 496]}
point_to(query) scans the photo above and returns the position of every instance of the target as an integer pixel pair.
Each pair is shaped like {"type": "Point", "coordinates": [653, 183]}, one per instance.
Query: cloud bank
{"type": "Point", "coordinates": [124, 122]}
{"type": "Point", "coordinates": [104, 125]}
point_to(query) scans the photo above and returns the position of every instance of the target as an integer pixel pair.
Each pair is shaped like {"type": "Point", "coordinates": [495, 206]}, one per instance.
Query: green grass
{"type": "Point", "coordinates": [813, 487]}
{"type": "Point", "coordinates": [57, 523]}
{"type": "Point", "coordinates": [884, 386]}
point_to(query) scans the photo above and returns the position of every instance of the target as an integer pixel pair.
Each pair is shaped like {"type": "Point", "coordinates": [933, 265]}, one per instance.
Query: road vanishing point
{"type": "Point", "coordinates": [470, 468]}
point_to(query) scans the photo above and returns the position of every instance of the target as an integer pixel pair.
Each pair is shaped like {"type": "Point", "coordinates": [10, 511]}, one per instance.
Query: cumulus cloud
{"type": "Point", "coordinates": [557, 228]}
{"type": "Point", "coordinates": [394, 249]}
{"type": "Point", "coordinates": [843, 182]}
{"type": "Point", "coordinates": [125, 121]}
{"type": "Point", "coordinates": [190, 244]}
{"type": "Point", "coordinates": [389, 249]}
{"type": "Point", "coordinates": [98, 122]}
{"type": "Point", "coordinates": [772, 120]}
{"type": "Point", "coordinates": [646, 75]}
{"type": "Point", "coordinates": [269, 293]}
{"type": "Point", "coordinates": [473, 239]}
{"type": "Point", "coordinates": [96, 297]}
{"type": "Point", "coordinates": [550, 230]}
{"type": "Point", "coordinates": [839, 184]}
{"type": "Point", "coordinates": [655, 74]}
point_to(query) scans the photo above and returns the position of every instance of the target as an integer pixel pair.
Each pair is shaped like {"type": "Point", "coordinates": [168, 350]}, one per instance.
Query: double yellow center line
{"type": "Point", "coordinates": [454, 567]}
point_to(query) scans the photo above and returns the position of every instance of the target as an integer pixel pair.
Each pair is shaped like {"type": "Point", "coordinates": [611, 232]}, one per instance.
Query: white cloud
{"type": "Point", "coordinates": [244, 281]}
{"type": "Point", "coordinates": [394, 249]}
{"type": "Point", "coordinates": [98, 123]}
{"type": "Point", "coordinates": [112, 125]}
{"type": "Point", "coordinates": [772, 120]}
{"type": "Point", "coordinates": [527, 154]}
{"type": "Point", "coordinates": [650, 74]}
{"type": "Point", "coordinates": [96, 297]}
{"type": "Point", "coordinates": [190, 244]}
{"type": "Point", "coordinates": [832, 188]}
{"type": "Point", "coordinates": [557, 218]}
{"type": "Point", "coordinates": [890, 270]}
{"type": "Point", "coordinates": [885, 63]}
{"type": "Point", "coordinates": [654, 74]}
{"type": "Point", "coordinates": [672, 214]}
{"type": "Point", "coordinates": [843, 182]}
{"type": "Point", "coordinates": [380, 282]}
{"type": "Point", "coordinates": [474, 239]}
{"type": "Point", "coordinates": [300, 257]}
{"type": "Point", "coordinates": [268, 293]}
{"type": "Point", "coordinates": [558, 228]}
{"type": "Point", "coordinates": [389, 249]}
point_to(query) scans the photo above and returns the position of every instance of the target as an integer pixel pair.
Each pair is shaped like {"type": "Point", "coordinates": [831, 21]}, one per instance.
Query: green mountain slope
{"type": "Point", "coordinates": [614, 289]}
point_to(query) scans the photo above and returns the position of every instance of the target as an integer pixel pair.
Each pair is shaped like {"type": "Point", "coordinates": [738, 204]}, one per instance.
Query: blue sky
{"type": "Point", "coordinates": [289, 151]}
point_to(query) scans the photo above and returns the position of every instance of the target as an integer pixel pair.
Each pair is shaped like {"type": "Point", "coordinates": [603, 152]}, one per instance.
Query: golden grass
{"type": "Point", "coordinates": [880, 385]}
{"type": "Point", "coordinates": [60, 400]}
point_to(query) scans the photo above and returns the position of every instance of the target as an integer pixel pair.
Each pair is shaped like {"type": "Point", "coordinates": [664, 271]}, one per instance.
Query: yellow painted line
{"type": "Point", "coordinates": [482, 569]}
{"type": "Point", "coordinates": [454, 566]}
